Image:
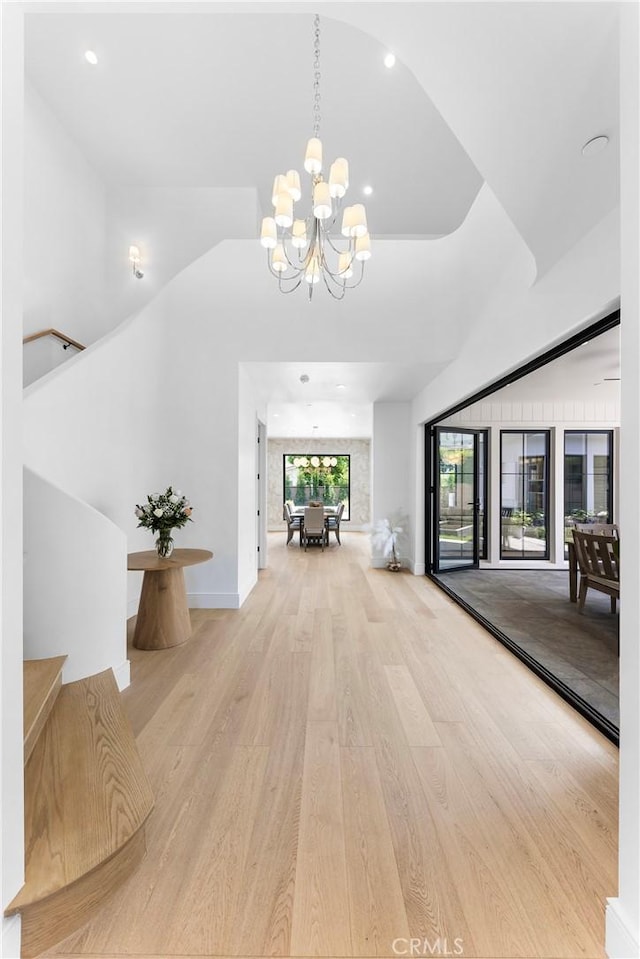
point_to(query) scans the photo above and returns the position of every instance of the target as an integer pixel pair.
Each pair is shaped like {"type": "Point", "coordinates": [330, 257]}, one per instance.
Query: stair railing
{"type": "Point", "coordinates": [67, 341]}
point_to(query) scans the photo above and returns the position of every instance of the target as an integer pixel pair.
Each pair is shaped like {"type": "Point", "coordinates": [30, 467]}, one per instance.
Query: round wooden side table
{"type": "Point", "coordinates": [163, 614]}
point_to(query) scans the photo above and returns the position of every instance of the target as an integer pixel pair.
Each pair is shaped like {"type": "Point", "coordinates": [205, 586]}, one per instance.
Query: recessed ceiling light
{"type": "Point", "coordinates": [594, 145]}
{"type": "Point", "coordinates": [309, 405]}
{"type": "Point", "coordinates": [276, 415]}
{"type": "Point", "coordinates": [367, 190]}
{"type": "Point", "coordinates": [341, 386]}
{"type": "Point", "coordinates": [91, 57]}
{"type": "Point", "coordinates": [390, 60]}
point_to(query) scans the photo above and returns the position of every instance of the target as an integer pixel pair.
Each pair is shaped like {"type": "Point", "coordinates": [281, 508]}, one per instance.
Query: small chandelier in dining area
{"type": "Point", "coordinates": [326, 462]}
{"type": "Point", "coordinates": [332, 242]}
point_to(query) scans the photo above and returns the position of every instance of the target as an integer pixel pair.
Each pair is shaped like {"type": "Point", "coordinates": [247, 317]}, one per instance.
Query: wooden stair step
{"type": "Point", "coordinates": [86, 801]}
{"type": "Point", "coordinates": [42, 679]}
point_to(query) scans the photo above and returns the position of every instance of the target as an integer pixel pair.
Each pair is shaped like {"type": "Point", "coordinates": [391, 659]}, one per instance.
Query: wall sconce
{"type": "Point", "coordinates": [134, 259]}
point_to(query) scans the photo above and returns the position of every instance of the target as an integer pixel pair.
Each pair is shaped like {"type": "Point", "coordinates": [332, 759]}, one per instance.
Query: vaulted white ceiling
{"type": "Point", "coordinates": [219, 95]}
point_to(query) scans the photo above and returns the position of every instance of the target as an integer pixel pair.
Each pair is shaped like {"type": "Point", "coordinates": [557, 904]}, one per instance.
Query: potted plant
{"type": "Point", "coordinates": [385, 539]}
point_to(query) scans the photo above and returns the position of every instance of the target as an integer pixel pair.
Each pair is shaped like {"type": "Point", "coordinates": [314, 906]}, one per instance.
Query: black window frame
{"type": "Point", "coordinates": [610, 474]}
{"type": "Point", "coordinates": [347, 513]}
{"type": "Point", "coordinates": [535, 557]}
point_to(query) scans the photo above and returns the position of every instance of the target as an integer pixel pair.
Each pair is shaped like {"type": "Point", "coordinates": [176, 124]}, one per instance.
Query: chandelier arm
{"type": "Point", "coordinates": [291, 289]}
{"type": "Point", "coordinates": [299, 267]}
{"type": "Point", "coordinates": [352, 286]}
{"type": "Point", "coordinates": [340, 286]}
{"type": "Point", "coordinates": [335, 249]}
{"type": "Point", "coordinates": [275, 272]}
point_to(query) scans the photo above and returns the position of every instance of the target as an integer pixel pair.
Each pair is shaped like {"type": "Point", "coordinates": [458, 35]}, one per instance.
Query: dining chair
{"type": "Point", "coordinates": [293, 522]}
{"type": "Point", "coordinates": [599, 564]}
{"type": "Point", "coordinates": [313, 527]}
{"type": "Point", "coordinates": [333, 522]}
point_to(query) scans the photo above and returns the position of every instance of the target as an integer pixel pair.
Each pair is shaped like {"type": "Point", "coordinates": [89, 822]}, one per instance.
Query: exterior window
{"type": "Point", "coordinates": [524, 485]}
{"type": "Point", "coordinates": [317, 478]}
{"type": "Point", "coordinates": [588, 468]}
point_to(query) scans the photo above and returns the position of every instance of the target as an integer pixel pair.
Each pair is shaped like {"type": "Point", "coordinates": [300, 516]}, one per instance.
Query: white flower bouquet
{"type": "Point", "coordinates": [162, 513]}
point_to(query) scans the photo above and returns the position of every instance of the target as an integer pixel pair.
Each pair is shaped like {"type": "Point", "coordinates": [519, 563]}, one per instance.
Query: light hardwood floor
{"type": "Point", "coordinates": [350, 762]}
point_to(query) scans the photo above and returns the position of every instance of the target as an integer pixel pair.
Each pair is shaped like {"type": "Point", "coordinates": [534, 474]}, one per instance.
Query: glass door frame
{"type": "Point", "coordinates": [432, 462]}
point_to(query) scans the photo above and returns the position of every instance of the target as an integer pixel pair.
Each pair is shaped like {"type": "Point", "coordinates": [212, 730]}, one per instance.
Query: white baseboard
{"type": "Point", "coordinates": [213, 600]}
{"type": "Point", "coordinates": [201, 601]}
{"type": "Point", "coordinates": [11, 936]}
{"type": "Point", "coordinates": [122, 674]}
{"type": "Point", "coordinates": [247, 590]}
{"type": "Point", "coordinates": [132, 607]}
{"type": "Point", "coordinates": [621, 941]}
{"type": "Point", "coordinates": [419, 569]}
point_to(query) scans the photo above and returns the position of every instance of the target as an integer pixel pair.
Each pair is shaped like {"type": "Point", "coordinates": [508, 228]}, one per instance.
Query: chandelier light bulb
{"type": "Point", "coordinates": [284, 210]}
{"type": "Point", "coordinates": [359, 225]}
{"type": "Point", "coordinates": [279, 187]}
{"type": "Point", "coordinates": [339, 177]}
{"type": "Point", "coordinates": [315, 461]}
{"type": "Point", "coordinates": [313, 156]}
{"type": "Point", "coordinates": [363, 247]}
{"type": "Point", "coordinates": [278, 259]}
{"type": "Point", "coordinates": [321, 201]}
{"type": "Point", "coordinates": [299, 234]}
{"type": "Point", "coordinates": [269, 233]}
{"type": "Point", "coordinates": [293, 185]}
{"type": "Point", "coordinates": [348, 219]}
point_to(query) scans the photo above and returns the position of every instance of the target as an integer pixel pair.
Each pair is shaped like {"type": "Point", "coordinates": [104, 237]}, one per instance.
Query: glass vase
{"type": "Point", "coordinates": [164, 543]}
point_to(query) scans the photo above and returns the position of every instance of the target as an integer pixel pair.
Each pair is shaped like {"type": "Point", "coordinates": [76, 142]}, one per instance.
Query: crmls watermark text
{"type": "Point", "coordinates": [428, 947]}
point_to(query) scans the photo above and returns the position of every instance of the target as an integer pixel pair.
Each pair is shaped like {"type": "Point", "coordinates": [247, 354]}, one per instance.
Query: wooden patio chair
{"type": "Point", "coordinates": [598, 562]}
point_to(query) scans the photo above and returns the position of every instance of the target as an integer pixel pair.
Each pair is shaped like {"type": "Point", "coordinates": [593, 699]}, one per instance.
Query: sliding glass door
{"type": "Point", "coordinates": [459, 461]}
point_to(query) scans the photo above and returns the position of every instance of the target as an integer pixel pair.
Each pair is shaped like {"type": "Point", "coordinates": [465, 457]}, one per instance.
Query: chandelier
{"type": "Point", "coordinates": [326, 463]}
{"type": "Point", "coordinates": [332, 243]}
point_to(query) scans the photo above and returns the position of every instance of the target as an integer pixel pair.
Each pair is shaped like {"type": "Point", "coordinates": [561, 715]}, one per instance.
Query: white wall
{"type": "Point", "coordinates": [75, 584]}
{"type": "Point", "coordinates": [64, 233]}
{"type": "Point", "coordinates": [392, 473]}
{"type": "Point", "coordinates": [623, 912]}
{"type": "Point", "coordinates": [138, 412]}
{"type": "Point", "coordinates": [11, 755]}
{"type": "Point", "coordinates": [247, 486]}
{"type": "Point", "coordinates": [171, 227]}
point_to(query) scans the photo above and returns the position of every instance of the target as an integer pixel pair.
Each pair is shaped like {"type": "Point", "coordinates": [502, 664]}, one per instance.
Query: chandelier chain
{"type": "Point", "coordinates": [316, 77]}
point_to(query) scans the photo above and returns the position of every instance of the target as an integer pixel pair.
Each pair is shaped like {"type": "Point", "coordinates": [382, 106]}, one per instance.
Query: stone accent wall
{"type": "Point", "coordinates": [358, 449]}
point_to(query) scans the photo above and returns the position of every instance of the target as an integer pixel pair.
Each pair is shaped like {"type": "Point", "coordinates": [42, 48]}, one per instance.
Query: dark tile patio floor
{"type": "Point", "coordinates": [532, 607]}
